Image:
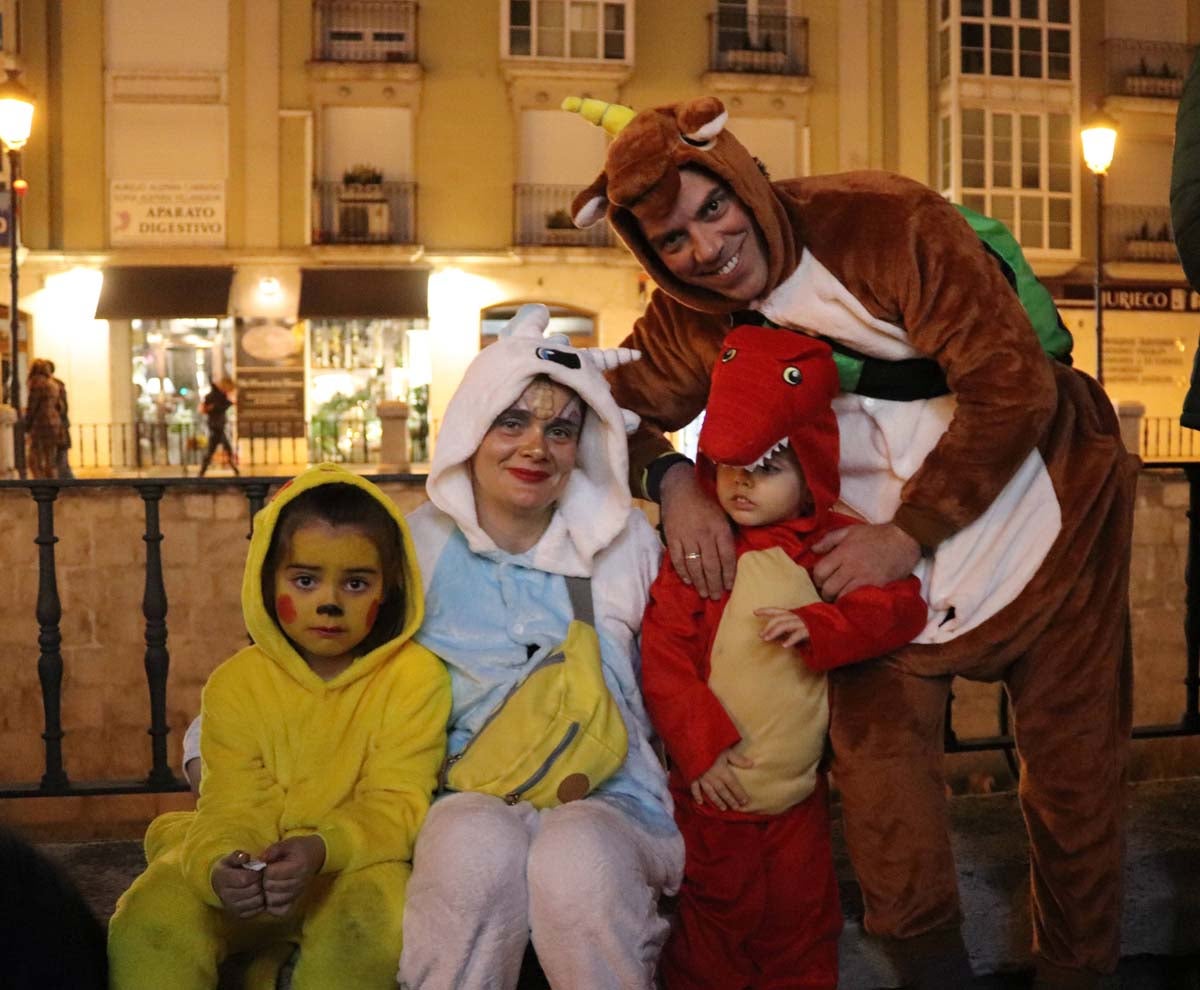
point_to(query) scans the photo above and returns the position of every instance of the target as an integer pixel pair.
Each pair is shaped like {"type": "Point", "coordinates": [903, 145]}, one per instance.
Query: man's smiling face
{"type": "Point", "coordinates": [709, 240]}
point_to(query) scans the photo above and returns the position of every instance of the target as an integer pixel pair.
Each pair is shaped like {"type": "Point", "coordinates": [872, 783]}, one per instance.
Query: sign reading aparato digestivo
{"type": "Point", "coordinates": [151, 212]}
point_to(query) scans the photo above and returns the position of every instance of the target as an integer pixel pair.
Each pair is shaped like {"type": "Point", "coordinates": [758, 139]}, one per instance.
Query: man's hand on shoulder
{"type": "Point", "coordinates": [858, 556]}
{"type": "Point", "coordinates": [698, 533]}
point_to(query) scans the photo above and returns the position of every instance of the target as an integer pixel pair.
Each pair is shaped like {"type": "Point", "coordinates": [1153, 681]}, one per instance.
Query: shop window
{"type": "Point", "coordinates": [174, 364]}
{"type": "Point", "coordinates": [356, 363]}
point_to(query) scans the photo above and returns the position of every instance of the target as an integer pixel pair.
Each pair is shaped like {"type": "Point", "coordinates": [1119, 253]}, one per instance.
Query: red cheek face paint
{"type": "Point", "coordinates": [285, 608]}
{"type": "Point", "coordinates": [372, 613]}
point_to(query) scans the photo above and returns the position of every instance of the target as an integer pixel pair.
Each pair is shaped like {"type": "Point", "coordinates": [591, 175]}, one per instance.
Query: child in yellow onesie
{"type": "Point", "coordinates": [321, 746]}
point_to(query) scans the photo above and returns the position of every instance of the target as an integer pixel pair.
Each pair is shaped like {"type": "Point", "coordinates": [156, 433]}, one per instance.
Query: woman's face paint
{"type": "Point", "coordinates": [328, 589]}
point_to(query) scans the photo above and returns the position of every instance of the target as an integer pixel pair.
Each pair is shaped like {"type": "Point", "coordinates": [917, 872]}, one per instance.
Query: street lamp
{"type": "Point", "coordinates": [1099, 140]}
{"type": "Point", "coordinates": [16, 120]}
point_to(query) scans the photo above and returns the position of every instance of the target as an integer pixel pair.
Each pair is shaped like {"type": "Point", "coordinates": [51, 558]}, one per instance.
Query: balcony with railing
{"type": "Point", "coordinates": [543, 219]}
{"type": "Point", "coordinates": [1153, 69]}
{"type": "Point", "coordinates": [364, 212]}
{"type": "Point", "coordinates": [365, 31]}
{"type": "Point", "coordinates": [1135, 232]}
{"type": "Point", "coordinates": [767, 44]}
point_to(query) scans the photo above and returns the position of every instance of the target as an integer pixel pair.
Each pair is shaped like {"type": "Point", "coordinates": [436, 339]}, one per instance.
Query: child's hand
{"type": "Point", "coordinates": [782, 625]}
{"type": "Point", "coordinates": [719, 784]}
{"type": "Point", "coordinates": [291, 863]}
{"type": "Point", "coordinates": [241, 891]}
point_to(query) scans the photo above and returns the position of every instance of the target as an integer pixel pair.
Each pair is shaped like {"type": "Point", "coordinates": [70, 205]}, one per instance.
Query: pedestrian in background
{"type": "Point", "coordinates": [216, 407]}
{"type": "Point", "coordinates": [62, 462]}
{"type": "Point", "coordinates": [43, 424]}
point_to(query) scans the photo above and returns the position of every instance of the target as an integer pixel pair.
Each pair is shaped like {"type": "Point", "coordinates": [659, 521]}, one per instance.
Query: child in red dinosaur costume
{"type": "Point", "coordinates": [737, 691]}
{"type": "Point", "coordinates": [992, 472]}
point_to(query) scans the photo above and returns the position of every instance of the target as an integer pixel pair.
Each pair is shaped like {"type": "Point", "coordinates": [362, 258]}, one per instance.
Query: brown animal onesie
{"type": "Point", "coordinates": [1014, 478]}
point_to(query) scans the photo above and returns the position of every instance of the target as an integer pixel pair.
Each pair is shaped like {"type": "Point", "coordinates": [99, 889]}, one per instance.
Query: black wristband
{"type": "Point", "coordinates": [656, 470]}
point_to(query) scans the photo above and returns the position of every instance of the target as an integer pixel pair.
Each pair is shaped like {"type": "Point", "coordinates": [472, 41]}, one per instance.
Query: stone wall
{"type": "Point", "coordinates": [100, 558]}
{"type": "Point", "coordinates": [100, 567]}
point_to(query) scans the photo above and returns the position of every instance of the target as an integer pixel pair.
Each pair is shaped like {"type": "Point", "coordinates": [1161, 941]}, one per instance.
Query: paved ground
{"type": "Point", "coordinates": [104, 869]}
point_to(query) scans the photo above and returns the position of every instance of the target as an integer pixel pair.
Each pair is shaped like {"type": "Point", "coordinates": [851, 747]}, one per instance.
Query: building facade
{"type": "Point", "coordinates": [339, 200]}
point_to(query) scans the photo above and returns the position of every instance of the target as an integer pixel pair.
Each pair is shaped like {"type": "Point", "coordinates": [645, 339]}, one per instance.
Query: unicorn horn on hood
{"type": "Point", "coordinates": [611, 116]}
{"type": "Point", "coordinates": [607, 358]}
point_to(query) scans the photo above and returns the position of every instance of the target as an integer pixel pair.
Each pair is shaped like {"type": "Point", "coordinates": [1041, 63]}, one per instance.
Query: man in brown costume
{"type": "Point", "coordinates": [993, 472]}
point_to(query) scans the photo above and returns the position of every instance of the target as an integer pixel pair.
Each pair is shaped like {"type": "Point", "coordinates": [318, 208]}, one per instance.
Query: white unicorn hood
{"type": "Point", "coordinates": [596, 502]}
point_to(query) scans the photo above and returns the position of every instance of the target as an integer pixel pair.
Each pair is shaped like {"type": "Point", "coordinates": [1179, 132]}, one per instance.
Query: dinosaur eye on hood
{"type": "Point", "coordinates": [791, 375]}
{"type": "Point", "coordinates": [566, 358]}
{"type": "Point", "coordinates": [729, 354]}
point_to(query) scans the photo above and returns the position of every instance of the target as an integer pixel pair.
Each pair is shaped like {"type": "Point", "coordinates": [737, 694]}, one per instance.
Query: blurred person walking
{"type": "Point", "coordinates": [62, 462]}
{"type": "Point", "coordinates": [216, 406]}
{"type": "Point", "coordinates": [43, 422]}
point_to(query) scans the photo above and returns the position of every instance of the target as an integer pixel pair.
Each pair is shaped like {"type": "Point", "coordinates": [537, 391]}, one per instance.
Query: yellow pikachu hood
{"type": "Point", "coordinates": [265, 631]}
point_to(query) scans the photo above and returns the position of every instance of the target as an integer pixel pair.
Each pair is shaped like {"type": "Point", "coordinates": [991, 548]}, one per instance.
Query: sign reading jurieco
{"type": "Point", "coordinates": [1143, 298]}
{"type": "Point", "coordinates": [150, 212]}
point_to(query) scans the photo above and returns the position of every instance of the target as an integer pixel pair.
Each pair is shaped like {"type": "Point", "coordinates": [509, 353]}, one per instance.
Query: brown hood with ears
{"type": "Point", "coordinates": [641, 179]}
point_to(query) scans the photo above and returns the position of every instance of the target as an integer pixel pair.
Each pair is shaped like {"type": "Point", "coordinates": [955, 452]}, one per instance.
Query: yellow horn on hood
{"type": "Point", "coordinates": [611, 116]}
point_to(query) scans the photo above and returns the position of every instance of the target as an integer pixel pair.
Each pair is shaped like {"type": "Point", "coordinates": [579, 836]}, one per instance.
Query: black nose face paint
{"type": "Point", "coordinates": [329, 608]}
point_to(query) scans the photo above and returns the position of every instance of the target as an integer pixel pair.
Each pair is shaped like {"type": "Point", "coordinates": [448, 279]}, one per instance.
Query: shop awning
{"type": "Point", "coordinates": [164, 292]}
{"type": "Point", "coordinates": [337, 292]}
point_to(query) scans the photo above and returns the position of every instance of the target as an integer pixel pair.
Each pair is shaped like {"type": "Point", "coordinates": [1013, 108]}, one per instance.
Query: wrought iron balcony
{"type": "Point", "coordinates": [543, 217]}
{"type": "Point", "coordinates": [1145, 68]}
{"type": "Point", "coordinates": [365, 31]}
{"type": "Point", "coordinates": [364, 213]}
{"type": "Point", "coordinates": [769, 44]}
{"type": "Point", "coordinates": [1139, 233]}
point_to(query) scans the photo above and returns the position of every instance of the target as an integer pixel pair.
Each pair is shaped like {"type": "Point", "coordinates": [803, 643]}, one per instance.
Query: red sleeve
{"type": "Point", "coordinates": [692, 723]}
{"type": "Point", "coordinates": [864, 623]}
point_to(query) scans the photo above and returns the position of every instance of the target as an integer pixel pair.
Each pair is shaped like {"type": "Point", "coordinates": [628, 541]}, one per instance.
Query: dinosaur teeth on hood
{"type": "Point", "coordinates": [769, 454]}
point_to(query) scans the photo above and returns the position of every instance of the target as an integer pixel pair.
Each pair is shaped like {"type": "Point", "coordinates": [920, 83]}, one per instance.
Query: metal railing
{"type": "Point", "coordinates": [364, 213]}
{"type": "Point", "coordinates": [160, 777]}
{"type": "Point", "coordinates": [542, 216]}
{"type": "Point", "coordinates": [1145, 68]}
{"type": "Point", "coordinates": [55, 781]}
{"type": "Point", "coordinates": [365, 31]}
{"type": "Point", "coordinates": [1139, 233]}
{"type": "Point", "coordinates": [179, 448]}
{"type": "Point", "coordinates": [770, 44]}
{"type": "Point", "coordinates": [1164, 441]}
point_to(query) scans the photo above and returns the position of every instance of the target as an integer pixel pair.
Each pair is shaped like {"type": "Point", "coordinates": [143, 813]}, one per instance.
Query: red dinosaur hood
{"type": "Point", "coordinates": [770, 386]}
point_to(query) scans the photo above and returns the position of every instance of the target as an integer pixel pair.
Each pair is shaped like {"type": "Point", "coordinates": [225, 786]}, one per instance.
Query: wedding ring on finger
{"type": "Point", "coordinates": [694, 555]}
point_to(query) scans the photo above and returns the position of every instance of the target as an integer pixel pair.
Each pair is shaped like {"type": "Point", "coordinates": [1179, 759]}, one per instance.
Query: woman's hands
{"type": "Point", "coordinates": [719, 784]}
{"type": "Point", "coordinates": [697, 532]}
{"type": "Point", "coordinates": [275, 888]}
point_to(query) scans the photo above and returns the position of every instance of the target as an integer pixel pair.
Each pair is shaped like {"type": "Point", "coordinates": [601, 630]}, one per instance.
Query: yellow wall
{"type": "Point", "coordinates": [464, 135]}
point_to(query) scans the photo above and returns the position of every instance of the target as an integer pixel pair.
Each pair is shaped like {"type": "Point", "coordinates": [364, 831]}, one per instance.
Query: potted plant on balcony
{"type": "Point", "coordinates": [1148, 245]}
{"type": "Point", "coordinates": [559, 228]}
{"type": "Point", "coordinates": [1147, 81]}
{"type": "Point", "coordinates": [363, 211]}
{"type": "Point", "coordinates": [362, 175]}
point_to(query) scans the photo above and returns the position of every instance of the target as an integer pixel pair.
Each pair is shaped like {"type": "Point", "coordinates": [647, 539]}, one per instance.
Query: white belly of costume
{"type": "Point", "coordinates": [982, 567]}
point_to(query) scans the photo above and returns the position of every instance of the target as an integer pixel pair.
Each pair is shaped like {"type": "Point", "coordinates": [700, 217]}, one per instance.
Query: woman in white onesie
{"type": "Point", "coordinates": [528, 485]}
